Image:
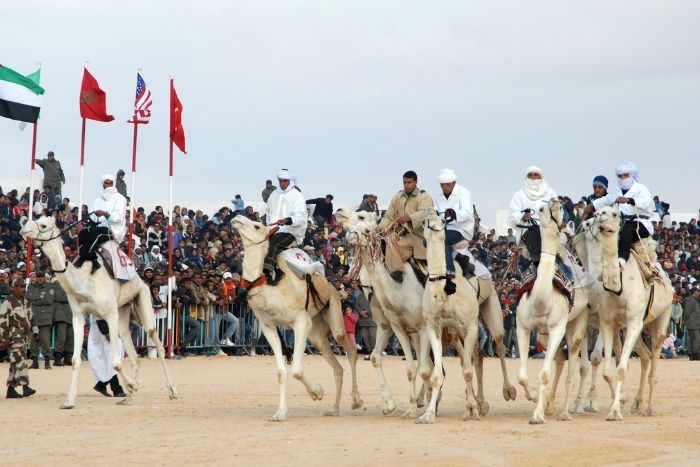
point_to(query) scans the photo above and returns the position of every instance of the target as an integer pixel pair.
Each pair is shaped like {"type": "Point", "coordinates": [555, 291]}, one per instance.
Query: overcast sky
{"type": "Point", "coordinates": [350, 94]}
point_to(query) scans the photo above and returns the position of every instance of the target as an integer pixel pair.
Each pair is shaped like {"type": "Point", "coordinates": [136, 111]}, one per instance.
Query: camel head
{"type": "Point", "coordinates": [359, 227]}
{"type": "Point", "coordinates": [608, 219]}
{"type": "Point", "coordinates": [40, 230]}
{"type": "Point", "coordinates": [251, 232]}
{"type": "Point", "coordinates": [433, 226]}
{"type": "Point", "coordinates": [551, 216]}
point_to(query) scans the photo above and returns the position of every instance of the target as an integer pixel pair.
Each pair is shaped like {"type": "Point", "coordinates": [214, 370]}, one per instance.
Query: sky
{"type": "Point", "coordinates": [349, 95]}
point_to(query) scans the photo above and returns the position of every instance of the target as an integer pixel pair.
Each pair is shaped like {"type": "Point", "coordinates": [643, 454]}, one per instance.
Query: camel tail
{"type": "Point", "coordinates": [285, 350]}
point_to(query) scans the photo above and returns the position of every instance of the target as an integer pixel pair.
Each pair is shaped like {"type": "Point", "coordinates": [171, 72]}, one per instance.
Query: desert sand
{"type": "Point", "coordinates": [222, 417]}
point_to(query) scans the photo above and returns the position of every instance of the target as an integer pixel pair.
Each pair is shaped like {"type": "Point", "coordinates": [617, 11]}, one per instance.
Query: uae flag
{"type": "Point", "coordinates": [20, 96]}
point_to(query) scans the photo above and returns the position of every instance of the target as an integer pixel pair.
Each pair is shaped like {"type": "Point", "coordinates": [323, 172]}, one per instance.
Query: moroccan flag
{"type": "Point", "coordinates": [93, 100]}
{"type": "Point", "coordinates": [177, 133]}
{"type": "Point", "coordinates": [20, 96]}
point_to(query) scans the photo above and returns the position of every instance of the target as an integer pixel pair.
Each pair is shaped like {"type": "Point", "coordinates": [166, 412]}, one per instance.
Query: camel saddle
{"type": "Point", "coordinates": [117, 263]}
{"type": "Point", "coordinates": [561, 281]}
{"type": "Point", "coordinates": [300, 262]}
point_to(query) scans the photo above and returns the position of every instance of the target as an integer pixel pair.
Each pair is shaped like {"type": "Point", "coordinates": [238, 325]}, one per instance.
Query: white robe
{"type": "Point", "coordinates": [461, 202]}
{"type": "Point", "coordinates": [520, 202]}
{"type": "Point", "coordinates": [115, 205]}
{"type": "Point", "coordinates": [643, 203]}
{"type": "Point", "coordinates": [100, 353]}
{"type": "Point", "coordinates": [289, 203]}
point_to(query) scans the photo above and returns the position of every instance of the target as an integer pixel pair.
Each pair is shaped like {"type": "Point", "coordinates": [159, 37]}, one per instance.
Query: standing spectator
{"type": "Point", "coordinates": [53, 173]}
{"type": "Point", "coordinates": [366, 326]}
{"type": "Point", "coordinates": [41, 295]}
{"type": "Point", "coordinates": [691, 317]}
{"type": "Point", "coordinates": [268, 190]}
{"type": "Point", "coordinates": [661, 207]}
{"type": "Point", "coordinates": [63, 325]}
{"type": "Point", "coordinates": [120, 183]}
{"type": "Point", "coordinates": [238, 204]}
{"type": "Point", "coordinates": [15, 325]}
{"type": "Point", "coordinates": [227, 295]}
{"type": "Point", "coordinates": [323, 209]}
{"type": "Point", "coordinates": [350, 319]}
{"type": "Point", "coordinates": [185, 295]}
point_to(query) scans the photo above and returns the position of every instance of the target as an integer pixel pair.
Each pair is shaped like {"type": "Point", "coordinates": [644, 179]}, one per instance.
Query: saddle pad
{"type": "Point", "coordinates": [576, 274]}
{"type": "Point", "coordinates": [300, 263]}
{"type": "Point", "coordinates": [480, 270]}
{"type": "Point", "coordinates": [117, 262]}
{"type": "Point", "coordinates": [557, 282]}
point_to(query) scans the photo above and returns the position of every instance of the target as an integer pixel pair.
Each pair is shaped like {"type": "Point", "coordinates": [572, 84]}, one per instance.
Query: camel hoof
{"type": "Point", "coordinates": [614, 416]}
{"type": "Point", "coordinates": [357, 403]}
{"type": "Point", "coordinates": [636, 407]}
{"type": "Point", "coordinates": [389, 406]}
{"type": "Point", "coordinates": [537, 420]}
{"type": "Point", "coordinates": [483, 407]}
{"type": "Point", "coordinates": [649, 412]}
{"type": "Point", "coordinates": [67, 405]}
{"type": "Point", "coordinates": [591, 406]}
{"type": "Point", "coordinates": [334, 412]}
{"type": "Point", "coordinates": [279, 417]}
{"type": "Point", "coordinates": [174, 394]}
{"type": "Point", "coordinates": [317, 393]}
{"type": "Point", "coordinates": [564, 417]}
{"type": "Point", "coordinates": [427, 418]}
{"type": "Point", "coordinates": [509, 393]}
{"type": "Point", "coordinates": [410, 413]}
{"type": "Point", "coordinates": [420, 403]}
{"type": "Point", "coordinates": [472, 414]}
{"type": "Point", "coordinates": [125, 401]}
{"type": "Point", "coordinates": [550, 406]}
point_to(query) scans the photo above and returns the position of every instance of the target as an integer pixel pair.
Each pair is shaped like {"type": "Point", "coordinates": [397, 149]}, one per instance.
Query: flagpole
{"type": "Point", "coordinates": [132, 203]}
{"type": "Point", "coordinates": [171, 277]}
{"type": "Point", "coordinates": [82, 172]}
{"type": "Point", "coordinates": [30, 213]}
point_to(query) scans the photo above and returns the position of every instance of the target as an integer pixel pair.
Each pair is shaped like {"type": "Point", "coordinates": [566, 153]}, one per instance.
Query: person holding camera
{"type": "Point", "coordinates": [15, 326]}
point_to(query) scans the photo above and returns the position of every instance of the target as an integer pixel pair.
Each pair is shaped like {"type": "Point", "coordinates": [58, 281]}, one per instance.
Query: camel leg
{"type": "Point", "coordinates": [478, 360]}
{"type": "Point", "coordinates": [607, 330]}
{"type": "Point", "coordinates": [318, 338]}
{"type": "Point", "coordinates": [584, 372]}
{"type": "Point", "coordinates": [405, 342]}
{"type": "Point", "coordinates": [301, 328]}
{"type": "Point", "coordinates": [273, 339]}
{"type": "Point", "coordinates": [490, 312]}
{"type": "Point", "coordinates": [337, 326]}
{"type": "Point", "coordinates": [591, 402]}
{"type": "Point", "coordinates": [425, 366]}
{"type": "Point", "coordinates": [424, 391]}
{"type": "Point", "coordinates": [78, 337]}
{"type": "Point", "coordinates": [634, 329]}
{"type": "Point", "coordinates": [436, 378]}
{"type": "Point", "coordinates": [112, 320]}
{"type": "Point", "coordinates": [575, 335]}
{"type": "Point", "coordinates": [383, 335]}
{"type": "Point", "coordinates": [556, 334]}
{"type": "Point", "coordinates": [471, 411]}
{"type": "Point", "coordinates": [145, 311]}
{"type": "Point", "coordinates": [550, 405]}
{"type": "Point", "coordinates": [658, 334]}
{"type": "Point", "coordinates": [125, 336]}
{"type": "Point", "coordinates": [523, 347]}
{"type": "Point", "coordinates": [644, 359]}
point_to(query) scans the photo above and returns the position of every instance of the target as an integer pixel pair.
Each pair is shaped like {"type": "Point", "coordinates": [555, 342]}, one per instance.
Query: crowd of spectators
{"type": "Point", "coordinates": [207, 260]}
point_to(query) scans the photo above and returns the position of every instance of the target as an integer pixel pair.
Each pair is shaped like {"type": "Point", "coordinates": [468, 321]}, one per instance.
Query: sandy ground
{"type": "Point", "coordinates": [222, 417]}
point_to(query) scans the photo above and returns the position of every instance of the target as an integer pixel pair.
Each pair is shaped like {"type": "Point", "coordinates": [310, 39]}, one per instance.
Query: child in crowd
{"type": "Point", "coordinates": [350, 319]}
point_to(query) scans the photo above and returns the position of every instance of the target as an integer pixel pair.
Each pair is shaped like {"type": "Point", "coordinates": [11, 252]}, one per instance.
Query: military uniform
{"type": "Point", "coordinates": [63, 323]}
{"type": "Point", "coordinates": [41, 297]}
{"type": "Point", "coordinates": [410, 239]}
{"type": "Point", "coordinates": [15, 328]}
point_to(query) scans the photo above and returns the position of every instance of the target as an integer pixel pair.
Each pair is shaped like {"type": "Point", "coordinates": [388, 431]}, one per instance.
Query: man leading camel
{"type": "Point", "coordinates": [406, 211]}
{"type": "Point", "coordinates": [286, 208]}
{"type": "Point", "coordinates": [110, 216]}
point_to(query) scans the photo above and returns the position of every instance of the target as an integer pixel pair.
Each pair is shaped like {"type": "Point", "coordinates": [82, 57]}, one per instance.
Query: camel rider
{"type": "Point", "coordinates": [636, 207]}
{"type": "Point", "coordinates": [110, 216]}
{"type": "Point", "coordinates": [406, 211]}
{"type": "Point", "coordinates": [286, 208]}
{"type": "Point", "coordinates": [600, 190]}
{"type": "Point", "coordinates": [523, 209]}
{"type": "Point", "coordinates": [455, 202]}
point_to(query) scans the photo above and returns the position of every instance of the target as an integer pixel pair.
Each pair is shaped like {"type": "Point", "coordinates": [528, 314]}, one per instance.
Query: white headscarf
{"type": "Point", "coordinates": [535, 189]}
{"type": "Point", "coordinates": [111, 192]}
{"type": "Point", "coordinates": [284, 174]}
{"type": "Point", "coordinates": [627, 168]}
{"type": "Point", "coordinates": [447, 176]}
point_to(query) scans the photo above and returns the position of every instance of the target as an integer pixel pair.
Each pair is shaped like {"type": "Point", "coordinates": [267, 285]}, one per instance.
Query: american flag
{"type": "Point", "coordinates": [142, 103]}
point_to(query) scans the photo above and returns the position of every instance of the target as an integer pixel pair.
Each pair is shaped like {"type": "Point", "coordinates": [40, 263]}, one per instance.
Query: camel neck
{"type": "Point", "coordinates": [253, 260]}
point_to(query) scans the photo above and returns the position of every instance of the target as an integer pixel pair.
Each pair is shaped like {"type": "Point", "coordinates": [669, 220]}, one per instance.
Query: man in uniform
{"type": "Point", "coordinates": [691, 318]}
{"type": "Point", "coordinates": [63, 324]}
{"type": "Point", "coordinates": [53, 173]}
{"type": "Point", "coordinates": [40, 293]}
{"type": "Point", "coordinates": [15, 325]}
{"type": "Point", "coordinates": [405, 214]}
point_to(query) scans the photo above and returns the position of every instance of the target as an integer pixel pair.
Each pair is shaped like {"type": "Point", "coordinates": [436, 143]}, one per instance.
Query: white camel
{"type": "Point", "coordinates": [104, 297]}
{"type": "Point", "coordinates": [292, 304]}
{"type": "Point", "coordinates": [401, 303]}
{"type": "Point", "coordinates": [630, 301]}
{"type": "Point", "coordinates": [458, 312]}
{"type": "Point", "coordinates": [548, 310]}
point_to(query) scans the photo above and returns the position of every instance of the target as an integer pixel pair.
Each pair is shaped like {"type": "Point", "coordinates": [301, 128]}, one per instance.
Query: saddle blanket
{"type": "Point", "coordinates": [480, 270]}
{"type": "Point", "coordinates": [300, 263]}
{"type": "Point", "coordinates": [576, 274]}
{"type": "Point", "coordinates": [117, 261]}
